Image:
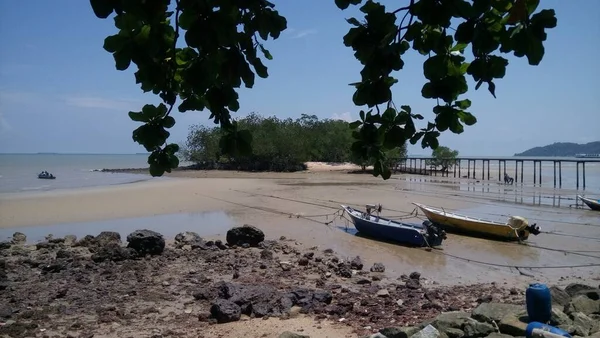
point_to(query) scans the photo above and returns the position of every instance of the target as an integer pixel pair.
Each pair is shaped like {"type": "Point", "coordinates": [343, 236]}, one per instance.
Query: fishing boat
{"type": "Point", "coordinates": [411, 234]}
{"type": "Point", "coordinates": [44, 175]}
{"type": "Point", "coordinates": [515, 229]}
{"type": "Point", "coordinates": [593, 204]}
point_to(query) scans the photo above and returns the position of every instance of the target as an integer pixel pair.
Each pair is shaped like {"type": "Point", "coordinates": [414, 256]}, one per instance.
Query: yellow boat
{"type": "Point", "coordinates": [515, 229]}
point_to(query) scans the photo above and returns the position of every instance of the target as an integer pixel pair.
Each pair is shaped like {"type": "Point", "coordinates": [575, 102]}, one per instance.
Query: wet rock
{"type": "Point", "coordinates": [288, 334]}
{"type": "Point", "coordinates": [584, 305]}
{"type": "Point", "coordinates": [88, 241]}
{"type": "Point", "coordinates": [62, 253]}
{"type": "Point", "coordinates": [356, 263]}
{"type": "Point", "coordinates": [378, 267]}
{"type": "Point", "coordinates": [559, 296]}
{"type": "Point", "coordinates": [303, 261]}
{"type": "Point", "coordinates": [18, 238]}
{"type": "Point", "coordinates": [428, 332]}
{"type": "Point", "coordinates": [5, 311]}
{"type": "Point", "coordinates": [245, 234]}
{"type": "Point", "coordinates": [107, 238]}
{"type": "Point", "coordinates": [220, 245]}
{"type": "Point", "coordinates": [415, 275]}
{"type": "Point", "coordinates": [187, 238]}
{"type": "Point", "coordinates": [412, 284]}
{"type": "Point", "coordinates": [495, 312]}
{"type": "Point", "coordinates": [45, 245]}
{"type": "Point", "coordinates": [146, 242]}
{"type": "Point", "coordinates": [113, 252]}
{"type": "Point", "coordinates": [344, 270]}
{"type": "Point", "coordinates": [5, 245]}
{"type": "Point", "coordinates": [266, 254]}
{"type": "Point", "coordinates": [575, 288]}
{"type": "Point", "coordinates": [225, 311]}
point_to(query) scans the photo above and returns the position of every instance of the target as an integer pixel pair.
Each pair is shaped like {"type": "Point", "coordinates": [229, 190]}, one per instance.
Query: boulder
{"type": "Point", "coordinates": [146, 242]}
{"type": "Point", "coordinates": [495, 312]}
{"type": "Point", "coordinates": [356, 263]}
{"type": "Point", "coordinates": [575, 288]}
{"type": "Point", "coordinates": [454, 333]}
{"type": "Point", "coordinates": [559, 296]}
{"type": "Point", "coordinates": [399, 332]}
{"type": "Point", "coordinates": [112, 252]}
{"type": "Point", "coordinates": [453, 319]}
{"type": "Point", "coordinates": [475, 329]}
{"type": "Point", "coordinates": [245, 234]}
{"type": "Point", "coordinates": [378, 267]}
{"type": "Point", "coordinates": [70, 240]}
{"type": "Point", "coordinates": [513, 324]}
{"type": "Point", "coordinates": [498, 335]}
{"type": "Point", "coordinates": [4, 245]}
{"type": "Point", "coordinates": [18, 238]}
{"type": "Point", "coordinates": [584, 305]}
{"type": "Point", "coordinates": [559, 318]}
{"type": "Point", "coordinates": [428, 332]}
{"type": "Point", "coordinates": [225, 311]}
{"type": "Point", "coordinates": [187, 238]}
{"type": "Point", "coordinates": [107, 238]}
{"type": "Point", "coordinates": [583, 324]}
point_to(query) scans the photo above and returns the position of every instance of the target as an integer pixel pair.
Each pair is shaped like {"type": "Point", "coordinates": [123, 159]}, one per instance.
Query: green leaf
{"type": "Point", "coordinates": [531, 5]}
{"type": "Point", "coordinates": [265, 52]}
{"type": "Point", "coordinates": [102, 8]}
{"type": "Point", "coordinates": [172, 148]}
{"type": "Point", "coordinates": [459, 47]}
{"type": "Point", "coordinates": [465, 32]}
{"type": "Point", "coordinates": [156, 170]}
{"type": "Point", "coordinates": [394, 138]}
{"type": "Point", "coordinates": [168, 122]}
{"type": "Point", "coordinates": [492, 88]}
{"type": "Point", "coordinates": [467, 118]}
{"type": "Point", "coordinates": [463, 104]}
{"type": "Point", "coordinates": [435, 67]}
{"type": "Point", "coordinates": [406, 109]}
{"type": "Point", "coordinates": [138, 117]}
{"type": "Point", "coordinates": [122, 59]}
{"type": "Point", "coordinates": [142, 36]}
{"type": "Point", "coordinates": [353, 22]}
{"type": "Point", "coordinates": [355, 124]}
{"type": "Point", "coordinates": [114, 43]}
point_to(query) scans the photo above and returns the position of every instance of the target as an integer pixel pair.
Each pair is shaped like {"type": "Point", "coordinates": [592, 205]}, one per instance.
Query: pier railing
{"type": "Point", "coordinates": [454, 167]}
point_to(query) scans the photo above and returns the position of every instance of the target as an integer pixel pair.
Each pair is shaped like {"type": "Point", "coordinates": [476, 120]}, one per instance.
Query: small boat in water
{"type": "Point", "coordinates": [515, 229]}
{"type": "Point", "coordinates": [44, 175]}
{"type": "Point", "coordinates": [413, 234]}
{"type": "Point", "coordinates": [593, 204]}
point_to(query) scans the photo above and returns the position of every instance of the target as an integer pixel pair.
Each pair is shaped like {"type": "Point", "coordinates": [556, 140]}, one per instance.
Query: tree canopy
{"type": "Point", "coordinates": [444, 157]}
{"type": "Point", "coordinates": [224, 49]}
{"type": "Point", "coordinates": [279, 144]}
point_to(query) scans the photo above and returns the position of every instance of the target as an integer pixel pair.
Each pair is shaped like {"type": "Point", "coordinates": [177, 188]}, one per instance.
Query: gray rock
{"type": "Point", "coordinates": [4, 245]}
{"type": "Point", "coordinates": [70, 240]}
{"type": "Point", "coordinates": [575, 288]}
{"type": "Point", "coordinates": [112, 252]}
{"type": "Point", "coordinates": [559, 296]}
{"type": "Point", "coordinates": [584, 305]}
{"type": "Point", "coordinates": [583, 324]}
{"type": "Point", "coordinates": [245, 234]}
{"type": "Point", "coordinates": [475, 329]}
{"type": "Point", "coordinates": [356, 263]}
{"type": "Point", "coordinates": [146, 242]}
{"type": "Point", "coordinates": [288, 334]}
{"type": "Point", "coordinates": [559, 318]}
{"type": "Point", "coordinates": [498, 335]}
{"type": "Point", "coordinates": [398, 332]}
{"type": "Point", "coordinates": [454, 333]}
{"type": "Point", "coordinates": [453, 319]}
{"type": "Point", "coordinates": [107, 238]}
{"type": "Point", "coordinates": [383, 293]}
{"type": "Point", "coordinates": [428, 332]}
{"type": "Point", "coordinates": [378, 267]}
{"type": "Point", "coordinates": [18, 238]}
{"type": "Point", "coordinates": [513, 324]}
{"type": "Point", "coordinates": [495, 312]}
{"type": "Point", "coordinates": [377, 335]}
{"type": "Point", "coordinates": [225, 311]}
{"type": "Point", "coordinates": [187, 238]}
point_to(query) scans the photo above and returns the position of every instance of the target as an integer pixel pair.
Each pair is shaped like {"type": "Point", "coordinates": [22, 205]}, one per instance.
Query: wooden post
{"type": "Point", "coordinates": [474, 164]}
{"type": "Point", "coordinates": [499, 179]}
{"type": "Point", "coordinates": [459, 165]}
{"type": "Point", "coordinates": [468, 168]}
{"type": "Point", "coordinates": [522, 165]}
{"type": "Point", "coordinates": [488, 163]}
{"type": "Point", "coordinates": [454, 168]}
{"type": "Point", "coordinates": [577, 167]}
{"type": "Point", "coordinates": [583, 164]}
{"type": "Point", "coordinates": [534, 172]}
{"type": "Point", "coordinates": [516, 168]}
{"type": "Point", "coordinates": [554, 175]}
{"type": "Point", "coordinates": [560, 174]}
{"type": "Point", "coordinates": [540, 169]}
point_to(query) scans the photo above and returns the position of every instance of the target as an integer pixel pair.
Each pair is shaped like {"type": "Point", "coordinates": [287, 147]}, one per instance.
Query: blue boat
{"type": "Point", "coordinates": [412, 234]}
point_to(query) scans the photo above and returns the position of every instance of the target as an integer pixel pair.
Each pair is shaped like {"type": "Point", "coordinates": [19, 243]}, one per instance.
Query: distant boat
{"type": "Point", "coordinates": [587, 155]}
{"type": "Point", "coordinates": [516, 228]}
{"type": "Point", "coordinates": [44, 175]}
{"type": "Point", "coordinates": [413, 234]}
{"type": "Point", "coordinates": [593, 204]}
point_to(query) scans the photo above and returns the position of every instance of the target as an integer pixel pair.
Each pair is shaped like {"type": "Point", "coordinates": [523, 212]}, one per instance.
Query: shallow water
{"type": "Point", "coordinates": [203, 223]}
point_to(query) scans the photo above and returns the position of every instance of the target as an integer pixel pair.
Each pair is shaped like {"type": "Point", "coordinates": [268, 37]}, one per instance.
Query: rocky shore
{"type": "Point", "coordinates": [144, 286]}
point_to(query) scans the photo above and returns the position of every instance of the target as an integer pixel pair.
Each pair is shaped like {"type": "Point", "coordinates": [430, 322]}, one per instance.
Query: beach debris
{"type": "Point", "coordinates": [245, 234]}
{"type": "Point", "coordinates": [19, 238]}
{"type": "Point", "coordinates": [146, 242]}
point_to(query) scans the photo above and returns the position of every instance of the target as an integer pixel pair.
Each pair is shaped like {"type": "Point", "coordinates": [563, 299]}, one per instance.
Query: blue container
{"type": "Point", "coordinates": [542, 330]}
{"type": "Point", "coordinates": [539, 303]}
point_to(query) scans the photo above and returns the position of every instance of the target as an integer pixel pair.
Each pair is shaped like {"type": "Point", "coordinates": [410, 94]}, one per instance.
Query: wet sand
{"type": "Point", "coordinates": [273, 202]}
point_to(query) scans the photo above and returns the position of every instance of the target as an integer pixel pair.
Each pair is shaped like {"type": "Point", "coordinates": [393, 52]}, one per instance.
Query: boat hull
{"type": "Point", "coordinates": [474, 227]}
{"type": "Point", "coordinates": [594, 205]}
{"type": "Point", "coordinates": [408, 234]}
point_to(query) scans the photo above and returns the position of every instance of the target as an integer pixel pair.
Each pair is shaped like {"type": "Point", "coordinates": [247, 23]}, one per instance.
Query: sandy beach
{"type": "Point", "coordinates": [302, 207]}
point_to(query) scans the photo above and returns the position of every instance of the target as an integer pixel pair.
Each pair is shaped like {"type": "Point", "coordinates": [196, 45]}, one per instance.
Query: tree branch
{"type": "Point", "coordinates": [410, 21]}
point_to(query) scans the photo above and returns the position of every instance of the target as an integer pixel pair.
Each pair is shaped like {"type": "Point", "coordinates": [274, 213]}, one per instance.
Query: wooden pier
{"type": "Point", "coordinates": [422, 166]}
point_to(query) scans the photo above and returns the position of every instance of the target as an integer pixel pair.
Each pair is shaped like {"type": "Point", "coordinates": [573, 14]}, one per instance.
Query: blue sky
{"type": "Point", "coordinates": [60, 92]}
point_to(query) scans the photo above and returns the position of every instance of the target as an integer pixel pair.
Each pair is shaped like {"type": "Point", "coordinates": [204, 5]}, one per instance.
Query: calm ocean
{"type": "Point", "coordinates": [18, 172]}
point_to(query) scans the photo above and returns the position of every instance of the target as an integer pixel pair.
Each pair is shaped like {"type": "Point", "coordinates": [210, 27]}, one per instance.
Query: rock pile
{"type": "Point", "coordinates": [99, 285]}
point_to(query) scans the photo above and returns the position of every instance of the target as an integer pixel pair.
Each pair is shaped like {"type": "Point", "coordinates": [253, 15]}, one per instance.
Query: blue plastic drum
{"type": "Point", "coordinates": [539, 303]}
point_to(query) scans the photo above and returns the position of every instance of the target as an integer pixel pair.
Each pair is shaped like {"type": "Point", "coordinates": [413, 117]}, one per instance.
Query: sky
{"type": "Point", "coordinates": [60, 91]}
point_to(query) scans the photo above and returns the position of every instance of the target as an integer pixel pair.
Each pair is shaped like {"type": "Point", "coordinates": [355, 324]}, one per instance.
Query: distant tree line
{"type": "Point", "coordinates": [278, 145]}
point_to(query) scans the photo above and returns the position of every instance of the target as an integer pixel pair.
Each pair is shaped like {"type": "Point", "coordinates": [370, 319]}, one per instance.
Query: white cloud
{"type": "Point", "coordinates": [303, 33]}
{"type": "Point", "coordinates": [343, 116]}
{"type": "Point", "coordinates": [103, 103]}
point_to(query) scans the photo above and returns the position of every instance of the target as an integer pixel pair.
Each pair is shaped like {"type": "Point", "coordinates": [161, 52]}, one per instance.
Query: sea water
{"type": "Point", "coordinates": [18, 172]}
